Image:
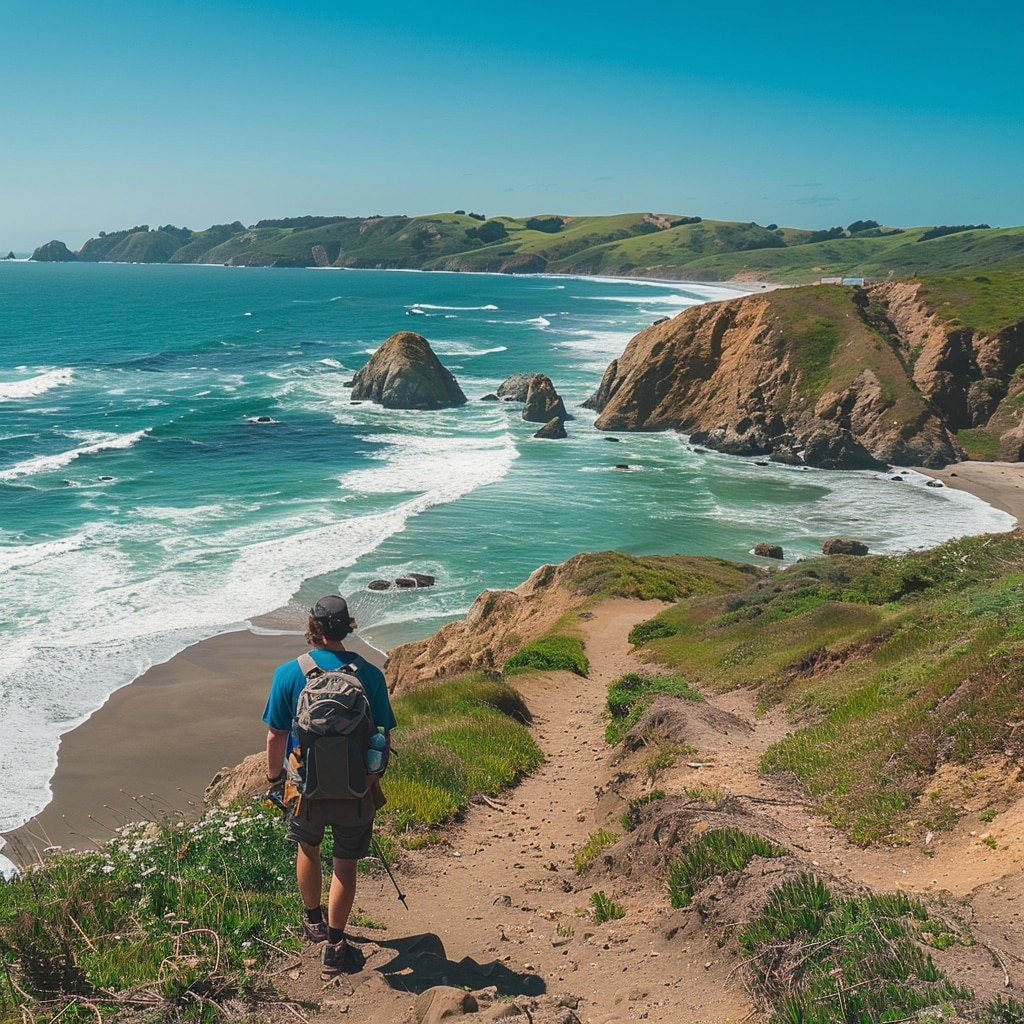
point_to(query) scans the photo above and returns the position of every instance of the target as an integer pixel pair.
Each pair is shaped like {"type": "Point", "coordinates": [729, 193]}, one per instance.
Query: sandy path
{"type": "Point", "coordinates": [502, 889]}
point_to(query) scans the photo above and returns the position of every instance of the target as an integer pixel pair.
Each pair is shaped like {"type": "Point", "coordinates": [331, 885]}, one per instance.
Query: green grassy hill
{"type": "Point", "coordinates": [627, 244]}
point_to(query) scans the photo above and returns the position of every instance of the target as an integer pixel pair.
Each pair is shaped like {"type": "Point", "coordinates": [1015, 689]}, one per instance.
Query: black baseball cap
{"type": "Point", "coordinates": [332, 611]}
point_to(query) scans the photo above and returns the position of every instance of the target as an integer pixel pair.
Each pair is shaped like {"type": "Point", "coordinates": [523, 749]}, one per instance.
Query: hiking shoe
{"type": "Point", "coordinates": [332, 959]}
{"type": "Point", "coordinates": [315, 932]}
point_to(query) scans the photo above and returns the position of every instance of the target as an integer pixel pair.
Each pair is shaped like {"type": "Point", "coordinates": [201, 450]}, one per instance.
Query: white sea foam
{"type": "Point", "coordinates": [462, 349]}
{"type": "Point", "coordinates": [124, 608]}
{"type": "Point", "coordinates": [30, 387]}
{"type": "Point", "coordinates": [540, 321]}
{"type": "Point", "coordinates": [97, 442]}
{"type": "Point", "coordinates": [445, 467]}
{"type": "Point", "coordinates": [457, 309]}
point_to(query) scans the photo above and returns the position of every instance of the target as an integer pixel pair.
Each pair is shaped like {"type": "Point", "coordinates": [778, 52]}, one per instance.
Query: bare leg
{"type": "Point", "coordinates": [310, 876]}
{"type": "Point", "coordinates": [343, 893]}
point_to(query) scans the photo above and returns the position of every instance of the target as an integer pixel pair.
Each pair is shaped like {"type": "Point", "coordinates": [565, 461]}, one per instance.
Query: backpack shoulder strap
{"type": "Point", "coordinates": [307, 664]}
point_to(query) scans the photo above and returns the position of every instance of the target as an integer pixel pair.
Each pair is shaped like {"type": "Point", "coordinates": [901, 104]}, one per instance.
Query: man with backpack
{"type": "Point", "coordinates": [323, 712]}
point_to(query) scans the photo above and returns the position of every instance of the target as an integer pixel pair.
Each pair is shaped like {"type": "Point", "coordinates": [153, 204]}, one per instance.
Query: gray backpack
{"type": "Point", "coordinates": [333, 725]}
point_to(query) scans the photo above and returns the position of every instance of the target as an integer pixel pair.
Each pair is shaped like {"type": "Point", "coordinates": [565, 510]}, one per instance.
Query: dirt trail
{"type": "Point", "coordinates": [499, 902]}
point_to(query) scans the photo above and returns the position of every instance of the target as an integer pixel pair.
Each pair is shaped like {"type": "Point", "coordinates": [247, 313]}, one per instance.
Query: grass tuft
{"type": "Point", "coordinates": [550, 654]}
{"type": "Point", "coordinates": [596, 842]}
{"type": "Point", "coordinates": [711, 853]}
{"type": "Point", "coordinates": [605, 909]}
{"type": "Point", "coordinates": [631, 695]}
{"type": "Point", "coordinates": [820, 959]}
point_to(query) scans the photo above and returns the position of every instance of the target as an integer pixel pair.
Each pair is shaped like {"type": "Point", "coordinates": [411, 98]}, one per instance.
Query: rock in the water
{"type": "Point", "coordinates": [543, 403]}
{"type": "Point", "coordinates": [404, 373]}
{"type": "Point", "coordinates": [514, 388]}
{"type": "Point", "coordinates": [379, 585]}
{"type": "Point", "coordinates": [553, 430]}
{"type": "Point", "coordinates": [763, 550]}
{"type": "Point", "coordinates": [935, 483]}
{"type": "Point", "coordinates": [422, 579]}
{"type": "Point", "coordinates": [843, 546]}
{"type": "Point", "coordinates": [492, 397]}
{"type": "Point", "coordinates": [405, 583]}
{"type": "Point", "coordinates": [54, 252]}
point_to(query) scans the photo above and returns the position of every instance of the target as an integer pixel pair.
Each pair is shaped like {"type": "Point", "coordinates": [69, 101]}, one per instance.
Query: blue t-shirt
{"type": "Point", "coordinates": [288, 683]}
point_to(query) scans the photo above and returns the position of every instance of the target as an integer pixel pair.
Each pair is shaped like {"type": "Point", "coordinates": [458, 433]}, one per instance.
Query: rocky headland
{"type": "Point", "coordinates": [827, 376]}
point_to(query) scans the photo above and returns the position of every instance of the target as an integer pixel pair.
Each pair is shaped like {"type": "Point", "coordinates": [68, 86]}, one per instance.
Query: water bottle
{"type": "Point", "coordinates": [377, 754]}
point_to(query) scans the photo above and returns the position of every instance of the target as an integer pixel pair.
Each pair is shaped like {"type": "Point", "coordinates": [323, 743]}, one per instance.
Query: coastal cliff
{"type": "Point", "coordinates": [827, 376]}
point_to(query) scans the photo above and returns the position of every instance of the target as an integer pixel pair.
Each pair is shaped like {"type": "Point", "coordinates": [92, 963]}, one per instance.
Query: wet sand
{"type": "Point", "coordinates": [153, 748]}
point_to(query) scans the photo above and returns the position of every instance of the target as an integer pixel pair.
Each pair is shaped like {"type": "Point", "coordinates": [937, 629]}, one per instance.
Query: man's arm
{"type": "Point", "coordinates": [277, 742]}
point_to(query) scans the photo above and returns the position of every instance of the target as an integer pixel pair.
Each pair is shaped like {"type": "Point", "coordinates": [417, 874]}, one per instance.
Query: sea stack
{"type": "Point", "coordinates": [543, 403]}
{"type": "Point", "coordinates": [404, 373]}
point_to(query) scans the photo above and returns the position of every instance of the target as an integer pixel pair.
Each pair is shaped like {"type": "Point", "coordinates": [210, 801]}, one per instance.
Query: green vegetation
{"type": "Point", "coordinates": [712, 853]}
{"type": "Point", "coordinates": [605, 909]}
{"type": "Point", "coordinates": [631, 695]}
{"type": "Point", "coordinates": [596, 842]}
{"type": "Point", "coordinates": [179, 917]}
{"type": "Point", "coordinates": [457, 738]}
{"type": "Point", "coordinates": [652, 245]}
{"type": "Point", "coordinates": [895, 665]}
{"type": "Point", "coordinates": [653, 577]}
{"type": "Point", "coordinates": [549, 654]}
{"type": "Point", "coordinates": [980, 443]}
{"type": "Point", "coordinates": [652, 629]}
{"type": "Point", "coordinates": [820, 959]}
{"type": "Point", "coordinates": [986, 301]}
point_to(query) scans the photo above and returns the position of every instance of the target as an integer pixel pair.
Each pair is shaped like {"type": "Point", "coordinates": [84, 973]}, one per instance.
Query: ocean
{"type": "Point", "coordinates": [179, 454]}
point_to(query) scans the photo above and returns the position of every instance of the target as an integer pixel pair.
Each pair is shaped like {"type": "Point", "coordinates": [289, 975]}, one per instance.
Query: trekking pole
{"type": "Point", "coordinates": [380, 857]}
{"type": "Point", "coordinates": [271, 797]}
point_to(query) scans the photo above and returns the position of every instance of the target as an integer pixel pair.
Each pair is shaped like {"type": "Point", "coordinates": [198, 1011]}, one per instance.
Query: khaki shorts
{"type": "Point", "coordinates": [350, 821]}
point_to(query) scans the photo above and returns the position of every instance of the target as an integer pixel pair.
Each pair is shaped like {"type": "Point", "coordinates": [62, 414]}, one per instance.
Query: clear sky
{"type": "Point", "coordinates": [805, 114]}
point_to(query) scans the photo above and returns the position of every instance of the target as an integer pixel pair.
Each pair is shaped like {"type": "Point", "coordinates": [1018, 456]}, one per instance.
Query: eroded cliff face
{"type": "Point", "coordinates": [968, 376]}
{"type": "Point", "coordinates": [496, 626]}
{"type": "Point", "coordinates": [825, 376]}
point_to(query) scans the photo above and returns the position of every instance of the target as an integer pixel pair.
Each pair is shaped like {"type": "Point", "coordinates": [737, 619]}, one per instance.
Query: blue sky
{"type": "Point", "coordinates": [808, 115]}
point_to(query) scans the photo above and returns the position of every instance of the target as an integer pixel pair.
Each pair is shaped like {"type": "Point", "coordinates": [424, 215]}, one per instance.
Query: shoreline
{"type": "Point", "coordinates": [999, 484]}
{"type": "Point", "coordinates": [152, 749]}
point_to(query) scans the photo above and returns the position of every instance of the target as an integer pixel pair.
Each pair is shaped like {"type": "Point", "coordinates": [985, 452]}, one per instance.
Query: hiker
{"type": "Point", "coordinates": [351, 820]}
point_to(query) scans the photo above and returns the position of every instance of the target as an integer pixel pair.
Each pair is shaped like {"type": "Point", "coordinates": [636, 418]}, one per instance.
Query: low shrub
{"type": "Point", "coordinates": [652, 629]}
{"type": "Point", "coordinates": [605, 909]}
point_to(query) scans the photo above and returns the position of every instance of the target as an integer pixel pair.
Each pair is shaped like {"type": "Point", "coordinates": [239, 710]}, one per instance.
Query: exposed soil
{"type": "Point", "coordinates": [498, 914]}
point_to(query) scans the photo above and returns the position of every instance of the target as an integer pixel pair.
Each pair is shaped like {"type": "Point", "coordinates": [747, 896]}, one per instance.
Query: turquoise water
{"type": "Point", "coordinates": [143, 507]}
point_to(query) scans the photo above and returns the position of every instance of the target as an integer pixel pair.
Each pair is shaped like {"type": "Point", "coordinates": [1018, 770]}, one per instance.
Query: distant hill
{"type": "Point", "coordinates": [624, 245]}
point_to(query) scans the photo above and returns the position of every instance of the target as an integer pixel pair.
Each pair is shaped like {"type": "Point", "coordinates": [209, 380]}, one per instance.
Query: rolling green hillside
{"type": "Point", "coordinates": [629, 244]}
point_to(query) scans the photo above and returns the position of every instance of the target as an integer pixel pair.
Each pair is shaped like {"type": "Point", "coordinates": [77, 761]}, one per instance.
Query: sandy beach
{"type": "Point", "coordinates": [153, 748]}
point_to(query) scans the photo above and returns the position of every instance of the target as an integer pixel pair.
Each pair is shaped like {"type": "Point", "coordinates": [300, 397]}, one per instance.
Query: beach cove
{"type": "Point", "coordinates": [150, 513]}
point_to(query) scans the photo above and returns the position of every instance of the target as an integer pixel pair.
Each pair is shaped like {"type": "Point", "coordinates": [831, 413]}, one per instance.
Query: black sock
{"type": "Point", "coordinates": [335, 935]}
{"type": "Point", "coordinates": [315, 916]}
